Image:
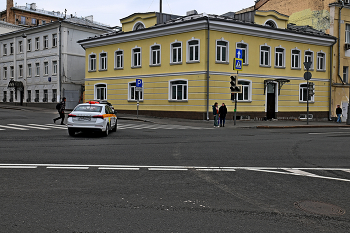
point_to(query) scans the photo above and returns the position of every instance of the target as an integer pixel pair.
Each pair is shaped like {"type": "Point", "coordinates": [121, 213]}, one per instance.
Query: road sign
{"type": "Point", "coordinates": [138, 82]}
{"type": "Point", "coordinates": [307, 75]}
{"type": "Point", "coordinates": [138, 89]}
{"type": "Point", "coordinates": [238, 64]}
{"type": "Point", "coordinates": [239, 53]}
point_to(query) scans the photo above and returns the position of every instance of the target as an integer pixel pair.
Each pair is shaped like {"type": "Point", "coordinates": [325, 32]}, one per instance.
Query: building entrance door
{"type": "Point", "coordinates": [271, 100]}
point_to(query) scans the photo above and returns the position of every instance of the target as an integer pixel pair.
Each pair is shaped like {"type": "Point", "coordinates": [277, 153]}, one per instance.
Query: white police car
{"type": "Point", "coordinates": [93, 117]}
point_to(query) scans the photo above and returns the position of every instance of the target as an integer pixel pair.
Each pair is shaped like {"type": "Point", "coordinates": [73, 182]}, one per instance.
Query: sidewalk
{"type": "Point", "coordinates": [202, 123]}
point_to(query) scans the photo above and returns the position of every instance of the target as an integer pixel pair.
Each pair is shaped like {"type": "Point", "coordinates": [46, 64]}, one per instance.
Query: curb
{"type": "Point", "coordinates": [300, 126]}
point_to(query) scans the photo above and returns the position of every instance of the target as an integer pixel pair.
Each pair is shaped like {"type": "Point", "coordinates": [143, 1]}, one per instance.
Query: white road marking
{"type": "Point", "coordinates": [329, 133]}
{"type": "Point", "coordinates": [300, 172]}
{"type": "Point", "coordinates": [27, 126]}
{"type": "Point", "coordinates": [167, 169]}
{"type": "Point", "coordinates": [18, 167]}
{"type": "Point", "coordinates": [216, 170]}
{"type": "Point", "coordinates": [10, 127]}
{"type": "Point", "coordinates": [119, 168]}
{"type": "Point", "coordinates": [61, 126]}
{"type": "Point", "coordinates": [61, 167]}
{"type": "Point", "coordinates": [48, 126]}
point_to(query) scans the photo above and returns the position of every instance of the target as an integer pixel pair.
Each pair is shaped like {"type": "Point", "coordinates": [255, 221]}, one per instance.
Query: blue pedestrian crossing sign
{"type": "Point", "coordinates": [239, 53]}
{"type": "Point", "coordinates": [138, 82]}
{"type": "Point", "coordinates": [238, 64]}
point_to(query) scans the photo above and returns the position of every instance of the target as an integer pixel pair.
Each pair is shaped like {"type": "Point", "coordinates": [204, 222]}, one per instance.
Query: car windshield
{"type": "Point", "coordinates": [88, 108]}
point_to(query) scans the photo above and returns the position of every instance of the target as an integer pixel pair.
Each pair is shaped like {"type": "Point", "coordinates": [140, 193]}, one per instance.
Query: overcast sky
{"type": "Point", "coordinates": [110, 11]}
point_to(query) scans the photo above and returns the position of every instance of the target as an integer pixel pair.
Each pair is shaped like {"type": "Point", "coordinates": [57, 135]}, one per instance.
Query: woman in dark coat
{"type": "Point", "coordinates": [222, 114]}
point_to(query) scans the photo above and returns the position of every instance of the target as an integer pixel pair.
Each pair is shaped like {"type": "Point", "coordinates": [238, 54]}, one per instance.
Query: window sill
{"type": "Point", "coordinates": [295, 68]}
{"type": "Point", "coordinates": [280, 67]}
{"type": "Point", "coordinates": [45, 75]}
{"type": "Point", "coordinates": [189, 62]}
{"type": "Point", "coordinates": [152, 65]}
{"type": "Point", "coordinates": [245, 64]}
{"type": "Point", "coordinates": [321, 70]}
{"type": "Point", "coordinates": [265, 66]}
{"type": "Point", "coordinates": [119, 68]}
{"type": "Point", "coordinates": [175, 63]}
{"type": "Point", "coordinates": [309, 69]}
{"type": "Point", "coordinates": [135, 100]}
{"type": "Point", "coordinates": [243, 101]}
{"type": "Point", "coordinates": [304, 102]}
{"type": "Point", "coordinates": [136, 67]}
{"type": "Point", "coordinates": [102, 70]}
{"type": "Point", "coordinates": [178, 100]}
{"type": "Point", "coordinates": [54, 74]}
{"type": "Point", "coordinates": [222, 62]}
{"type": "Point", "coordinates": [91, 71]}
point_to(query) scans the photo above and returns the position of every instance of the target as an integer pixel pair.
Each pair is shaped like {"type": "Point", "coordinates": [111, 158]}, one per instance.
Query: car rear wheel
{"type": "Point", "coordinates": [105, 133]}
{"type": "Point", "coordinates": [115, 127]}
{"type": "Point", "coordinates": [71, 132]}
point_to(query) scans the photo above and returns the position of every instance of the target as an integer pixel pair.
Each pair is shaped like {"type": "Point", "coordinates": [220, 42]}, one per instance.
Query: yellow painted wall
{"type": "Point", "coordinates": [149, 20]}
{"type": "Point", "coordinates": [318, 19]}
{"type": "Point", "coordinates": [262, 16]}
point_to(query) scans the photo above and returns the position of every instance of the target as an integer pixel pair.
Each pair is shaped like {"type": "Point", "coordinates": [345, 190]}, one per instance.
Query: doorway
{"type": "Point", "coordinates": [271, 100]}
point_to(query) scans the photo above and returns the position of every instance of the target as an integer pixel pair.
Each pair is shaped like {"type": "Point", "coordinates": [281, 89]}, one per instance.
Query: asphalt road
{"type": "Point", "coordinates": [171, 178]}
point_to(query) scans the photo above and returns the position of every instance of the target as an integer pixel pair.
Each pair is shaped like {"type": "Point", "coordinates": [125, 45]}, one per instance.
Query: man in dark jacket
{"type": "Point", "coordinates": [222, 114]}
{"type": "Point", "coordinates": [339, 112]}
{"type": "Point", "coordinates": [216, 114]}
{"type": "Point", "coordinates": [61, 111]}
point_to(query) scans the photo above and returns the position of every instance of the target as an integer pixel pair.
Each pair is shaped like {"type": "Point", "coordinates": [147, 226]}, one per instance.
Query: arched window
{"type": "Point", "coordinates": [271, 23]}
{"type": "Point", "coordinates": [138, 26]}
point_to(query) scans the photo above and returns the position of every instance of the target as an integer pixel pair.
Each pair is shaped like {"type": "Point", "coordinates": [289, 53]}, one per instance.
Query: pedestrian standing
{"type": "Point", "coordinates": [60, 108]}
{"type": "Point", "coordinates": [216, 114]}
{"type": "Point", "coordinates": [339, 112]}
{"type": "Point", "coordinates": [222, 114]}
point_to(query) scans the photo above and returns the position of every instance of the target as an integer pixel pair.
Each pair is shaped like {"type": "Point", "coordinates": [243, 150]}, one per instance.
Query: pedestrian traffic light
{"type": "Point", "coordinates": [311, 88]}
{"type": "Point", "coordinates": [233, 82]}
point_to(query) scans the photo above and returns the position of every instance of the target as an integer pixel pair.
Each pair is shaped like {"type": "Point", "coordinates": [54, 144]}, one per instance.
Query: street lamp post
{"type": "Point", "coordinates": [24, 36]}
{"type": "Point", "coordinates": [307, 77]}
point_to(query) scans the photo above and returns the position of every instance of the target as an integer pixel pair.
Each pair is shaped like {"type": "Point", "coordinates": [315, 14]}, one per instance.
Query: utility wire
{"type": "Point", "coordinates": [150, 5]}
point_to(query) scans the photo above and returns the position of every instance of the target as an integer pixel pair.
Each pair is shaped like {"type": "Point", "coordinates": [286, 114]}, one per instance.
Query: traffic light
{"type": "Point", "coordinates": [233, 82]}
{"type": "Point", "coordinates": [311, 88]}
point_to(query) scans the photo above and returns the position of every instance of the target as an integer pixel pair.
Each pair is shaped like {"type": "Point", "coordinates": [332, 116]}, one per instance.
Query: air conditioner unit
{"type": "Point", "coordinates": [347, 46]}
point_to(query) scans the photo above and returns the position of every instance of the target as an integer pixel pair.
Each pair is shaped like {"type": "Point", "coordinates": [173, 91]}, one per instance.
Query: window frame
{"type": "Point", "coordinates": [219, 47]}
{"type": "Point", "coordinates": [312, 59]}
{"type": "Point", "coordinates": [159, 56]}
{"type": "Point", "coordinates": [5, 72]}
{"type": "Point", "coordinates": [37, 69]}
{"type": "Point", "coordinates": [94, 62]}
{"type": "Point", "coordinates": [188, 51]}
{"type": "Point", "coordinates": [139, 65]}
{"type": "Point", "coordinates": [346, 74]}
{"type": "Point", "coordinates": [323, 63]}
{"type": "Point", "coordinates": [311, 100]}
{"type": "Point", "coordinates": [54, 67]}
{"type": "Point", "coordinates": [101, 67]}
{"type": "Point", "coordinates": [130, 86]}
{"type": "Point", "coordinates": [283, 57]}
{"type": "Point", "coordinates": [46, 42]}
{"type": "Point", "coordinates": [4, 50]}
{"type": "Point", "coordinates": [20, 70]}
{"type": "Point", "coordinates": [12, 71]}
{"type": "Point", "coordinates": [20, 46]}
{"type": "Point", "coordinates": [292, 57]}
{"type": "Point", "coordinates": [250, 88]}
{"type": "Point", "coordinates": [12, 49]}
{"type": "Point", "coordinates": [246, 49]}
{"type": "Point", "coordinates": [269, 56]}
{"type": "Point", "coordinates": [116, 67]}
{"type": "Point", "coordinates": [29, 45]}
{"type": "Point", "coordinates": [347, 33]}
{"type": "Point", "coordinates": [177, 62]}
{"type": "Point", "coordinates": [29, 69]}
{"type": "Point", "coordinates": [170, 90]}
{"type": "Point", "coordinates": [96, 87]}
{"type": "Point", "coordinates": [54, 40]}
{"type": "Point", "coordinates": [46, 68]}
{"type": "Point", "coordinates": [37, 43]}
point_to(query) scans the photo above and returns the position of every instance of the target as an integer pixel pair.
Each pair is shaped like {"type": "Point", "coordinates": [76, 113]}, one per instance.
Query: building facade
{"type": "Point", "coordinates": [41, 64]}
{"type": "Point", "coordinates": [186, 63]}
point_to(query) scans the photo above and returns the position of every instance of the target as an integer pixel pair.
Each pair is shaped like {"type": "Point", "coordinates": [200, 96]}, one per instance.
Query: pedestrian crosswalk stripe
{"type": "Point", "coordinates": [49, 126]}
{"type": "Point", "coordinates": [28, 126]}
{"type": "Point", "coordinates": [10, 127]}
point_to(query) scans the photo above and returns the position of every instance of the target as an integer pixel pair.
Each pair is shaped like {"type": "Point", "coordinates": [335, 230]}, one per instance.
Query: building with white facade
{"type": "Point", "coordinates": [41, 64]}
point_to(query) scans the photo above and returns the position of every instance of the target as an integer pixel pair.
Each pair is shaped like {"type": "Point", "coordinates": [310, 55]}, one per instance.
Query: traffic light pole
{"type": "Point", "coordinates": [307, 103]}
{"type": "Point", "coordinates": [235, 111]}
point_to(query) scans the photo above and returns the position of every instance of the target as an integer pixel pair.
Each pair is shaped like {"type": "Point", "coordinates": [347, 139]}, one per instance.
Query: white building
{"type": "Point", "coordinates": [41, 64]}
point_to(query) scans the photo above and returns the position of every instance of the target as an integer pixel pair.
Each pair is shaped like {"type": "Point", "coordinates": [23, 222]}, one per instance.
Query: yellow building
{"type": "Point", "coordinates": [185, 64]}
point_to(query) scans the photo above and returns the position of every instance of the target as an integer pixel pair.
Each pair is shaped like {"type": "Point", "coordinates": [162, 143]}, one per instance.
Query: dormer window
{"type": "Point", "coordinates": [138, 26]}
{"type": "Point", "coordinates": [271, 23]}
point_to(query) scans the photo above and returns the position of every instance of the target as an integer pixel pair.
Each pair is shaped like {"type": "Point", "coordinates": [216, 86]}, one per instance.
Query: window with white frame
{"type": "Point", "coordinates": [246, 90]}
{"type": "Point", "coordinates": [5, 72]}
{"type": "Point", "coordinates": [46, 68]}
{"type": "Point", "coordinates": [37, 43]}
{"type": "Point", "coordinates": [20, 46]}
{"type": "Point", "coordinates": [345, 74]}
{"type": "Point", "coordinates": [138, 26]}
{"type": "Point", "coordinates": [54, 40]}
{"type": "Point", "coordinates": [347, 33]}
{"type": "Point", "coordinates": [309, 57]}
{"type": "Point", "coordinates": [279, 57]}
{"type": "Point", "coordinates": [103, 61]}
{"type": "Point", "coordinates": [11, 48]}
{"type": "Point", "coordinates": [136, 57]}
{"type": "Point", "coordinates": [193, 50]}
{"type": "Point", "coordinates": [133, 94]}
{"type": "Point", "coordinates": [37, 69]}
{"type": "Point", "coordinates": [34, 21]}
{"type": "Point", "coordinates": [295, 59]}
{"type": "Point", "coordinates": [178, 90]}
{"type": "Point", "coordinates": [264, 55]}
{"type": "Point", "coordinates": [155, 55]}
{"type": "Point", "coordinates": [321, 61]}
{"type": "Point", "coordinates": [29, 70]}
{"type": "Point", "coordinates": [244, 47]}
{"type": "Point", "coordinates": [46, 42]}
{"type": "Point", "coordinates": [29, 45]}
{"type": "Point", "coordinates": [4, 52]}
{"type": "Point", "coordinates": [101, 91]}
{"type": "Point", "coordinates": [12, 72]}
{"type": "Point", "coordinates": [92, 62]}
{"type": "Point", "coordinates": [303, 93]}
{"type": "Point", "coordinates": [222, 51]}
{"type": "Point", "coordinates": [20, 68]}
{"type": "Point", "coordinates": [176, 52]}
{"type": "Point", "coordinates": [119, 59]}
{"type": "Point", "coordinates": [54, 67]}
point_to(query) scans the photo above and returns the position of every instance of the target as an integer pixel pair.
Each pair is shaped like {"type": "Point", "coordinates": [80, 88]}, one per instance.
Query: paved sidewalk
{"type": "Point", "coordinates": [202, 123]}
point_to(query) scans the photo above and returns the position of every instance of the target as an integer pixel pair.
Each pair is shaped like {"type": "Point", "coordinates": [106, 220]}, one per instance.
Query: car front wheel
{"type": "Point", "coordinates": [115, 127]}
{"type": "Point", "coordinates": [105, 133]}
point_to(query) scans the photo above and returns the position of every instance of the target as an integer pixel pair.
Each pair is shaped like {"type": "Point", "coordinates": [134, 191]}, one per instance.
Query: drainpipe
{"type": "Point", "coordinates": [208, 68]}
{"type": "Point", "coordinates": [330, 81]}
{"type": "Point", "coordinates": [59, 62]}
{"type": "Point", "coordinates": [339, 34]}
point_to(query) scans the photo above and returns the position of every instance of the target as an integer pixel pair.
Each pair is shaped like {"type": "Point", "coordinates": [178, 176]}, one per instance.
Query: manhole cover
{"type": "Point", "coordinates": [319, 208]}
